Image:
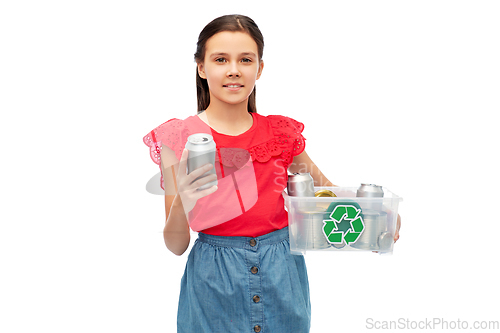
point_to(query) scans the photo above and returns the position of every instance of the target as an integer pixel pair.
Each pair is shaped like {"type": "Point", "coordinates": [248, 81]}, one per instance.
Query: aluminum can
{"type": "Point", "coordinates": [374, 192]}
{"type": "Point", "coordinates": [201, 148]}
{"type": "Point", "coordinates": [300, 185]}
{"type": "Point", "coordinates": [385, 242]}
{"type": "Point", "coordinates": [324, 194]}
{"type": "Point", "coordinates": [370, 191]}
{"type": "Point", "coordinates": [310, 229]}
{"type": "Point", "coordinates": [375, 227]}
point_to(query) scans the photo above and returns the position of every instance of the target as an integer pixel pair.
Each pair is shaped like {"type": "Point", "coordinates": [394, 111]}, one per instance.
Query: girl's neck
{"type": "Point", "coordinates": [228, 119]}
{"type": "Point", "coordinates": [224, 112]}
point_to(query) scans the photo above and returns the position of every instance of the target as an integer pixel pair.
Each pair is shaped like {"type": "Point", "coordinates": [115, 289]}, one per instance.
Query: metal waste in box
{"type": "Point", "coordinates": [346, 222]}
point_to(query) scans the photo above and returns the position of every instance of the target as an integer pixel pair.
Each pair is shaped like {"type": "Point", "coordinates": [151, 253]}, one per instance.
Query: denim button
{"type": "Point", "coordinates": [253, 242]}
{"type": "Point", "coordinates": [256, 299]}
{"type": "Point", "coordinates": [256, 328]}
{"type": "Point", "coordinates": [254, 270]}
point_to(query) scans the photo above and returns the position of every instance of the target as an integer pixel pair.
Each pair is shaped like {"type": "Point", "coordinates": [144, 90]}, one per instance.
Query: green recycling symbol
{"type": "Point", "coordinates": [346, 224]}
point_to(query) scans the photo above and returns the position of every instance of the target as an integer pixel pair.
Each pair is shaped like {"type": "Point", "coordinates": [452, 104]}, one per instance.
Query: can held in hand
{"type": "Point", "coordinates": [201, 148]}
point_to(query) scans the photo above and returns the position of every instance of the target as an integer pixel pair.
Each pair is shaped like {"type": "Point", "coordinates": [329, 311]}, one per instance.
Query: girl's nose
{"type": "Point", "coordinates": [233, 71]}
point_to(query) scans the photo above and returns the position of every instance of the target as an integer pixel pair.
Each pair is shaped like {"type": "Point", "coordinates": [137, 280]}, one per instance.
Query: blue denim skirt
{"type": "Point", "coordinates": [244, 284]}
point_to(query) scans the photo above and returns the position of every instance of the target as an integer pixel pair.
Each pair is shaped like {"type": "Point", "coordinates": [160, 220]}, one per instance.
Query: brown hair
{"type": "Point", "coordinates": [225, 23]}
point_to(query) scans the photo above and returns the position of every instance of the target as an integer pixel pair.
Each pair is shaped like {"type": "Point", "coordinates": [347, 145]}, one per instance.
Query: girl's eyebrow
{"type": "Point", "coordinates": [227, 55]}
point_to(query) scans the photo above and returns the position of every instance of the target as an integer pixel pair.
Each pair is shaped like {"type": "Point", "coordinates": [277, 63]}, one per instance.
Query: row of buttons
{"type": "Point", "coordinates": [256, 298]}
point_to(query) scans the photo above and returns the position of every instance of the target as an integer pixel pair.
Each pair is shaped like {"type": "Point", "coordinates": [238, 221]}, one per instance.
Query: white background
{"type": "Point", "coordinates": [399, 93]}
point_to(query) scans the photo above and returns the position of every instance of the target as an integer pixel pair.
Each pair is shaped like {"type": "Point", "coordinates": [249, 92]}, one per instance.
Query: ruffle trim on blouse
{"type": "Point", "coordinates": [172, 133]}
{"type": "Point", "coordinates": [288, 139]}
{"type": "Point", "coordinates": [287, 142]}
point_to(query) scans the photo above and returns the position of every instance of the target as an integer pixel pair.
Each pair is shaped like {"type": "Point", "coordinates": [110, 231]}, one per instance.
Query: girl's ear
{"type": "Point", "coordinates": [201, 71]}
{"type": "Point", "coordinates": [261, 67]}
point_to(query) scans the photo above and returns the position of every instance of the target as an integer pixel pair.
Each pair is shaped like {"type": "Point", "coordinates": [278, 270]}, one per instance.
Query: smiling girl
{"type": "Point", "coordinates": [240, 275]}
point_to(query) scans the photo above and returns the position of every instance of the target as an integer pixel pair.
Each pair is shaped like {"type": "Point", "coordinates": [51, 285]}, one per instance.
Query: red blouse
{"type": "Point", "coordinates": [251, 170]}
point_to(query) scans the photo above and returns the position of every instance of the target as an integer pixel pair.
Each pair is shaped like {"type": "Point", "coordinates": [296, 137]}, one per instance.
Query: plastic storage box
{"type": "Point", "coordinates": [342, 223]}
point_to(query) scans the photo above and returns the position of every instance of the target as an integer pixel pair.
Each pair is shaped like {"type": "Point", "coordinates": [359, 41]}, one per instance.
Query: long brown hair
{"type": "Point", "coordinates": [225, 23]}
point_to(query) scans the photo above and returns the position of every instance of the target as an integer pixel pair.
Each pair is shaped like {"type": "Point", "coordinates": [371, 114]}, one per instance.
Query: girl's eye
{"type": "Point", "coordinates": [223, 60]}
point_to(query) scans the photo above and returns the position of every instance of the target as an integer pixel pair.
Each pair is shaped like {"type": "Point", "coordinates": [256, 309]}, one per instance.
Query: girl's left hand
{"type": "Point", "coordinates": [398, 226]}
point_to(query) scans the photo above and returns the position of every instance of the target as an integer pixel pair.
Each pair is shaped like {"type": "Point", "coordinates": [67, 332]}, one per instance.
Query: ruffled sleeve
{"type": "Point", "coordinates": [173, 134]}
{"type": "Point", "coordinates": [288, 137]}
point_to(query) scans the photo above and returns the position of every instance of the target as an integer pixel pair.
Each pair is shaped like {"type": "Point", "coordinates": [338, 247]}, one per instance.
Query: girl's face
{"type": "Point", "coordinates": [231, 67]}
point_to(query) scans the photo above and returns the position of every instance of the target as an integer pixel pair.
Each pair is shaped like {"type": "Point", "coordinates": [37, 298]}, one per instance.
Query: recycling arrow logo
{"type": "Point", "coordinates": [345, 224]}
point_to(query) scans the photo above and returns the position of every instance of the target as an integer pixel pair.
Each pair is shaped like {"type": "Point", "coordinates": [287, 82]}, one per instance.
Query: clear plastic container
{"type": "Point", "coordinates": [342, 223]}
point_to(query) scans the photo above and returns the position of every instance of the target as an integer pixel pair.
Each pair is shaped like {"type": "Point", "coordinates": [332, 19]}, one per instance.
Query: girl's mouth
{"type": "Point", "coordinates": [233, 87]}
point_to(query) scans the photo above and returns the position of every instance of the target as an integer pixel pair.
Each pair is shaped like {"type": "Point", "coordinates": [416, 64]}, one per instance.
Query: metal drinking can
{"type": "Point", "coordinates": [300, 185]}
{"type": "Point", "coordinates": [375, 227]}
{"type": "Point", "coordinates": [324, 194]}
{"type": "Point", "coordinates": [385, 242]}
{"type": "Point", "coordinates": [370, 191]}
{"type": "Point", "coordinates": [201, 148]}
{"type": "Point", "coordinates": [310, 229]}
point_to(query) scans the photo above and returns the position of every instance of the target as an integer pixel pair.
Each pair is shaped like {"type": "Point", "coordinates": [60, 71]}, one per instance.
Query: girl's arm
{"type": "Point", "coordinates": [303, 163]}
{"type": "Point", "coordinates": [176, 232]}
{"type": "Point", "coordinates": [181, 195]}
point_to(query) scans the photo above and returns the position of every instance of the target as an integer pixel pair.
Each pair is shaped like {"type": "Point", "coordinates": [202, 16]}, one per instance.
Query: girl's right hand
{"type": "Point", "coordinates": [188, 188]}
